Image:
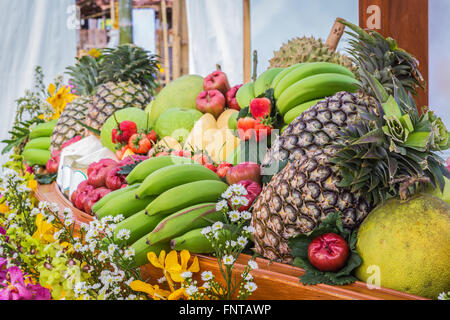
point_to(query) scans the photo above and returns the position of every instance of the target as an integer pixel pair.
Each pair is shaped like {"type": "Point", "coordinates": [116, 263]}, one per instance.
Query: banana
{"type": "Point", "coordinates": [180, 222]}
{"type": "Point", "coordinates": [125, 204]}
{"type": "Point", "coordinates": [172, 176]}
{"type": "Point", "coordinates": [193, 241]}
{"type": "Point", "coordinates": [264, 81]}
{"type": "Point", "coordinates": [292, 114]}
{"type": "Point", "coordinates": [139, 225]}
{"type": "Point", "coordinates": [100, 203]}
{"type": "Point", "coordinates": [186, 195]}
{"type": "Point", "coordinates": [36, 156]}
{"type": "Point", "coordinates": [283, 73]}
{"type": "Point", "coordinates": [43, 129]}
{"type": "Point", "coordinates": [145, 168]}
{"type": "Point", "coordinates": [245, 94]}
{"type": "Point", "coordinates": [42, 143]}
{"type": "Point", "coordinates": [314, 87]}
{"type": "Point", "coordinates": [307, 70]}
{"type": "Point", "coordinates": [142, 248]}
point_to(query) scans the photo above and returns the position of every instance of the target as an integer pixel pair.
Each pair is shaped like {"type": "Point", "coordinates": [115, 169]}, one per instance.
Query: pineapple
{"type": "Point", "coordinates": [338, 158]}
{"type": "Point", "coordinates": [84, 77]}
{"type": "Point", "coordinates": [306, 49]}
{"type": "Point", "coordinates": [127, 79]}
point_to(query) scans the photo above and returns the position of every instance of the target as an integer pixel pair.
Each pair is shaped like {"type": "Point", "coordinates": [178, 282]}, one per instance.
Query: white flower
{"type": "Point", "coordinates": [68, 222]}
{"type": "Point", "coordinates": [129, 252]}
{"type": "Point", "coordinates": [123, 234]}
{"type": "Point", "coordinates": [234, 215]}
{"type": "Point", "coordinates": [67, 212]}
{"type": "Point", "coordinates": [248, 277]}
{"type": "Point", "coordinates": [116, 290]}
{"type": "Point", "coordinates": [119, 218]}
{"type": "Point", "coordinates": [102, 256]}
{"type": "Point", "coordinates": [80, 288]}
{"type": "Point", "coordinates": [444, 296]}
{"type": "Point", "coordinates": [252, 264]}
{"type": "Point", "coordinates": [78, 247]}
{"type": "Point", "coordinates": [239, 190]}
{"type": "Point", "coordinates": [162, 279]}
{"type": "Point", "coordinates": [236, 201]}
{"type": "Point", "coordinates": [207, 275]}
{"type": "Point", "coordinates": [227, 194]}
{"type": "Point", "coordinates": [129, 281]}
{"type": "Point", "coordinates": [206, 231]}
{"type": "Point", "coordinates": [34, 212]}
{"type": "Point", "coordinates": [96, 286]}
{"type": "Point", "coordinates": [242, 241]}
{"type": "Point", "coordinates": [217, 226]}
{"type": "Point", "coordinates": [246, 215]}
{"type": "Point", "coordinates": [191, 290]}
{"type": "Point", "coordinates": [132, 297]}
{"type": "Point", "coordinates": [186, 275]}
{"type": "Point", "coordinates": [84, 226]}
{"type": "Point", "coordinates": [55, 207]}
{"type": "Point", "coordinates": [50, 219]}
{"type": "Point", "coordinates": [228, 260]}
{"type": "Point", "coordinates": [11, 216]}
{"type": "Point", "coordinates": [250, 286]}
{"type": "Point", "coordinates": [221, 205]}
{"type": "Point", "coordinates": [249, 229]}
{"type": "Point", "coordinates": [206, 285]}
{"type": "Point", "coordinates": [58, 254]}
{"type": "Point", "coordinates": [112, 248]}
{"type": "Point", "coordinates": [230, 244]}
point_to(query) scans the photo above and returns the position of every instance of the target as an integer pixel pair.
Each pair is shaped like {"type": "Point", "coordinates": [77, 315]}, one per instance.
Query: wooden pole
{"type": "Point", "coordinates": [176, 34]}
{"type": "Point", "coordinates": [407, 22]}
{"type": "Point", "coordinates": [166, 42]}
{"type": "Point", "coordinates": [335, 35]}
{"type": "Point", "coordinates": [247, 42]}
{"type": "Point", "coordinates": [125, 21]}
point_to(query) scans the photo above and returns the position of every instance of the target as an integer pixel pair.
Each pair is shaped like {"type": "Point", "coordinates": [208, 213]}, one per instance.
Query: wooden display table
{"type": "Point", "coordinates": [275, 281]}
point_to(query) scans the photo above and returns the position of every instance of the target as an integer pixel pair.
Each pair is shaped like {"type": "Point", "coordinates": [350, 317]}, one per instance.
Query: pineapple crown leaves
{"type": "Point", "coordinates": [84, 75]}
{"type": "Point", "coordinates": [299, 249]}
{"type": "Point", "coordinates": [384, 59]}
{"type": "Point", "coordinates": [129, 63]}
{"type": "Point", "coordinates": [390, 152]}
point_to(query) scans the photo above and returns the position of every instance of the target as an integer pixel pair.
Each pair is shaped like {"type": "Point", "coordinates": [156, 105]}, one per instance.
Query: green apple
{"type": "Point", "coordinates": [177, 123]}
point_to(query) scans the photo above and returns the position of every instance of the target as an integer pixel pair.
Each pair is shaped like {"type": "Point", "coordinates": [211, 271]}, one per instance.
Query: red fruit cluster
{"type": "Point", "coordinates": [53, 163]}
{"type": "Point", "coordinates": [124, 132]}
{"type": "Point", "coordinates": [260, 125]}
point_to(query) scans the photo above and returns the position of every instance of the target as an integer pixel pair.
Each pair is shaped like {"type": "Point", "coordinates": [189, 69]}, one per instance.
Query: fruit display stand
{"type": "Point", "coordinates": [276, 281]}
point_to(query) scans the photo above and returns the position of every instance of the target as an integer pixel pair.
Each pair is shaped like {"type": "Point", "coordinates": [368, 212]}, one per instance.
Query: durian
{"type": "Point", "coordinates": [298, 50]}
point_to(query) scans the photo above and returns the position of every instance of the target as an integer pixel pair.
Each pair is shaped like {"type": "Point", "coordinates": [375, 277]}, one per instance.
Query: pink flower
{"type": "Point", "coordinates": [448, 164]}
{"type": "Point", "coordinates": [16, 289]}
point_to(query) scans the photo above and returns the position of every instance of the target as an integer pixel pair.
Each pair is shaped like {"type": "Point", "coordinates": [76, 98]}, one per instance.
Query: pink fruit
{"type": "Point", "coordinates": [114, 180]}
{"type": "Point", "coordinates": [97, 172]}
{"type": "Point", "coordinates": [260, 108]}
{"type": "Point", "coordinates": [82, 197]}
{"type": "Point", "coordinates": [132, 159]}
{"type": "Point", "coordinates": [217, 80]}
{"type": "Point", "coordinates": [230, 96]}
{"type": "Point", "coordinates": [244, 171]}
{"type": "Point", "coordinates": [212, 101]}
{"type": "Point", "coordinates": [253, 190]}
{"type": "Point", "coordinates": [93, 197]}
{"type": "Point", "coordinates": [52, 165]}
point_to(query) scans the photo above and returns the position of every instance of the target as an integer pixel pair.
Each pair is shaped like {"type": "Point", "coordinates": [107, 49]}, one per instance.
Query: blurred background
{"type": "Point", "coordinates": [190, 36]}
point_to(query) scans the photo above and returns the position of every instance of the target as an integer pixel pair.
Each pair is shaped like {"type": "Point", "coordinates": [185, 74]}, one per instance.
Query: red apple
{"type": "Point", "coordinates": [217, 80]}
{"type": "Point", "coordinates": [212, 101]}
{"type": "Point", "coordinates": [231, 98]}
{"type": "Point", "coordinates": [52, 165]}
{"type": "Point", "coordinates": [244, 171]}
{"type": "Point", "coordinates": [328, 252]}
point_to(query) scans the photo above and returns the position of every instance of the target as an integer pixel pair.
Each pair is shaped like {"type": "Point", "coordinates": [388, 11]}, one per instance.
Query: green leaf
{"type": "Point", "coordinates": [391, 108]}
{"type": "Point", "coordinates": [418, 140]}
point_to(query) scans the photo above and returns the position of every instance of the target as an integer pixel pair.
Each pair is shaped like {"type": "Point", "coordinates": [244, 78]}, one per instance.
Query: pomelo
{"type": "Point", "coordinates": [177, 123]}
{"type": "Point", "coordinates": [139, 116]}
{"type": "Point", "coordinates": [405, 245]}
{"type": "Point", "coordinates": [181, 93]}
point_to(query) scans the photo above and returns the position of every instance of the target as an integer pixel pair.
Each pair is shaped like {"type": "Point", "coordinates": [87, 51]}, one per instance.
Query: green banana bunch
{"type": "Point", "coordinates": [193, 241]}
{"type": "Point", "coordinates": [36, 156]}
{"type": "Point", "coordinates": [283, 73]}
{"type": "Point", "coordinates": [42, 143]}
{"type": "Point", "coordinates": [125, 204]}
{"type": "Point", "coordinates": [103, 201]}
{"type": "Point", "coordinates": [264, 81]}
{"type": "Point", "coordinates": [314, 87]}
{"type": "Point", "coordinates": [180, 222]}
{"type": "Point", "coordinates": [307, 70]}
{"type": "Point", "coordinates": [142, 248]}
{"type": "Point", "coordinates": [139, 225]}
{"type": "Point", "coordinates": [145, 168]}
{"type": "Point", "coordinates": [43, 129]}
{"type": "Point", "coordinates": [186, 195]}
{"type": "Point", "coordinates": [292, 114]}
{"type": "Point", "coordinates": [171, 176]}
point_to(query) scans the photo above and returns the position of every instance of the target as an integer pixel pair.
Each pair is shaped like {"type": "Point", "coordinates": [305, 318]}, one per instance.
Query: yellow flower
{"type": "Point", "coordinates": [169, 264]}
{"type": "Point", "coordinates": [32, 184]}
{"type": "Point", "coordinates": [4, 208]}
{"type": "Point", "coordinates": [153, 291]}
{"type": "Point", "coordinates": [179, 294]}
{"type": "Point", "coordinates": [44, 230]}
{"type": "Point", "coordinates": [60, 99]}
{"type": "Point", "coordinates": [94, 53]}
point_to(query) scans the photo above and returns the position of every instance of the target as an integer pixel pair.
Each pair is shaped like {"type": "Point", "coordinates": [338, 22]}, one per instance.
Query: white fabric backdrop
{"type": "Point", "coordinates": [144, 27]}
{"type": "Point", "coordinates": [33, 32]}
{"type": "Point", "coordinates": [215, 37]}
